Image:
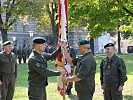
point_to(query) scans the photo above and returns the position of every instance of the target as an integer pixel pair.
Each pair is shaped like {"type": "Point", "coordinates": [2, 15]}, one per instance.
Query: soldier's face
{"type": "Point", "coordinates": [8, 48]}
{"type": "Point", "coordinates": [109, 50]}
{"type": "Point", "coordinates": [81, 49]}
{"type": "Point", "coordinates": [42, 47]}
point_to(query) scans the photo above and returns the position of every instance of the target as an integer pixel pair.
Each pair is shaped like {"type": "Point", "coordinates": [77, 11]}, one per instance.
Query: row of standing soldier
{"type": "Point", "coordinates": [22, 53]}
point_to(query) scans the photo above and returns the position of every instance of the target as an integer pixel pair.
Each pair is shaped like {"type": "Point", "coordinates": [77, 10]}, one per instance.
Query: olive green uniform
{"type": "Point", "coordinates": [112, 75]}
{"type": "Point", "coordinates": [38, 73]}
{"type": "Point", "coordinates": [85, 70]}
{"type": "Point", "coordinates": [8, 74]}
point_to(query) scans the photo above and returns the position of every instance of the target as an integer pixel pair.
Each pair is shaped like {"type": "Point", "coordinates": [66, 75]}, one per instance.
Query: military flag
{"type": "Point", "coordinates": [63, 30]}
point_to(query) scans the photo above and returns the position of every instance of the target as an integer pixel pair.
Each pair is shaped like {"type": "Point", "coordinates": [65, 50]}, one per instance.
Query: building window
{"type": "Point", "coordinates": [24, 28]}
{"type": "Point", "coordinates": [15, 27]}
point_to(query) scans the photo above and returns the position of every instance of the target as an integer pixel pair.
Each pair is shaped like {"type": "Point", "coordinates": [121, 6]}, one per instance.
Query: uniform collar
{"type": "Point", "coordinates": [6, 53]}
{"type": "Point", "coordinates": [112, 59]}
{"type": "Point", "coordinates": [85, 55]}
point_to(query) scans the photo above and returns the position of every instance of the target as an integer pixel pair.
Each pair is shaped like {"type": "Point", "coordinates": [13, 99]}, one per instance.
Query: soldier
{"type": "Point", "coordinates": [19, 54]}
{"type": "Point", "coordinates": [14, 50]}
{"type": "Point", "coordinates": [112, 74]}
{"type": "Point", "coordinates": [85, 71]}
{"type": "Point", "coordinates": [24, 53]}
{"type": "Point", "coordinates": [29, 50]}
{"type": "Point", "coordinates": [38, 71]}
{"type": "Point", "coordinates": [8, 71]}
{"type": "Point", "coordinates": [73, 56]}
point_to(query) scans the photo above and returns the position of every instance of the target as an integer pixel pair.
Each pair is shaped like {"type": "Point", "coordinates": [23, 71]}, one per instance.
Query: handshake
{"type": "Point", "coordinates": [62, 72]}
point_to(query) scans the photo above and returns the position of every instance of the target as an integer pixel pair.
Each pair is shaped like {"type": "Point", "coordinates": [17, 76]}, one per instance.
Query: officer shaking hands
{"type": "Point", "coordinates": [38, 71]}
{"type": "Point", "coordinates": [85, 70]}
{"type": "Point", "coordinates": [8, 71]}
{"type": "Point", "coordinates": [112, 74]}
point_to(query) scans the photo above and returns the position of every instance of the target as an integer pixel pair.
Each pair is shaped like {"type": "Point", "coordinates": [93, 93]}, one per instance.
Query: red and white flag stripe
{"type": "Point", "coordinates": [63, 29]}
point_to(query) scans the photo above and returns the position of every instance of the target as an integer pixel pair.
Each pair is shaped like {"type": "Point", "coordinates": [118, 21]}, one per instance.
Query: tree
{"type": "Point", "coordinates": [99, 16]}
{"type": "Point", "coordinates": [48, 19]}
{"type": "Point", "coordinates": [11, 10]}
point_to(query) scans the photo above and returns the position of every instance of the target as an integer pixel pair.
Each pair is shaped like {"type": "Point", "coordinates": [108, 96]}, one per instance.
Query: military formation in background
{"type": "Point", "coordinates": [22, 53]}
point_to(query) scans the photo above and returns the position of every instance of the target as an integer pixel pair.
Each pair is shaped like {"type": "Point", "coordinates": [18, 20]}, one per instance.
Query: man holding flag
{"type": "Point", "coordinates": [85, 71]}
{"type": "Point", "coordinates": [38, 71]}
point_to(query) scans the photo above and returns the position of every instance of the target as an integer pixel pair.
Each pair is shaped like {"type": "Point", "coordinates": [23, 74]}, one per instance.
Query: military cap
{"type": "Point", "coordinates": [38, 40]}
{"type": "Point", "coordinates": [83, 42]}
{"type": "Point", "coordinates": [108, 45]}
{"type": "Point", "coordinates": [7, 43]}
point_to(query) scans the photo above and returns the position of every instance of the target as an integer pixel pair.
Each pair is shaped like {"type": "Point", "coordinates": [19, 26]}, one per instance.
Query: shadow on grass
{"type": "Point", "coordinates": [128, 97]}
{"type": "Point", "coordinates": [73, 97]}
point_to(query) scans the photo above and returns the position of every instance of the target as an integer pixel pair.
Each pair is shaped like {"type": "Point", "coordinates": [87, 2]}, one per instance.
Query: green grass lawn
{"type": "Point", "coordinates": [52, 94]}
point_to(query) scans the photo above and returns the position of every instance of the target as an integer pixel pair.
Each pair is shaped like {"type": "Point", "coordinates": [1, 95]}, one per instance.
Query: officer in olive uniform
{"type": "Point", "coordinates": [8, 71]}
{"type": "Point", "coordinates": [38, 71]}
{"type": "Point", "coordinates": [73, 56]}
{"type": "Point", "coordinates": [112, 74]}
{"type": "Point", "coordinates": [85, 71]}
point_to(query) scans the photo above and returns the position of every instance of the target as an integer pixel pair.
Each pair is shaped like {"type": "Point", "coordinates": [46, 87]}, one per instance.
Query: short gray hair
{"type": "Point", "coordinates": [87, 46]}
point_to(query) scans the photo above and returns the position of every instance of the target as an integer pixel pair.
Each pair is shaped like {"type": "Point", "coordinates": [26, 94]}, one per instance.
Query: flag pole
{"type": "Point", "coordinates": [63, 22]}
{"type": "Point", "coordinates": [64, 13]}
{"type": "Point", "coordinates": [64, 97]}
{"type": "Point", "coordinates": [64, 88]}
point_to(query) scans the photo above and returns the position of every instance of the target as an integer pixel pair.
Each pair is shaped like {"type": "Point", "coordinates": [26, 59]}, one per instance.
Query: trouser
{"type": "Point", "coordinates": [112, 93]}
{"type": "Point", "coordinates": [37, 93]}
{"type": "Point", "coordinates": [19, 59]}
{"type": "Point", "coordinates": [8, 86]}
{"type": "Point", "coordinates": [84, 96]}
{"type": "Point", "coordinates": [24, 59]}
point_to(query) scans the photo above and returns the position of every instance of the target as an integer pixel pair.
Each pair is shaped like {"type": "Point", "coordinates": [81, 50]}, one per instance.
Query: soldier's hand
{"type": "Point", "coordinates": [120, 88]}
{"type": "Point", "coordinates": [64, 79]}
{"type": "Point", "coordinates": [62, 72]}
{"type": "Point", "coordinates": [0, 82]}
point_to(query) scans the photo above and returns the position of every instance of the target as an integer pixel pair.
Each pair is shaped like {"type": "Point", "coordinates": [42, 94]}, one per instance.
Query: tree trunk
{"type": "Point", "coordinates": [92, 45]}
{"type": "Point", "coordinates": [55, 33]}
{"type": "Point", "coordinates": [4, 35]}
{"type": "Point", "coordinates": [119, 42]}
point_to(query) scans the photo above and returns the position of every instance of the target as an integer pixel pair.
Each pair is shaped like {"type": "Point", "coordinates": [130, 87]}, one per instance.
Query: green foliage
{"type": "Point", "coordinates": [100, 15]}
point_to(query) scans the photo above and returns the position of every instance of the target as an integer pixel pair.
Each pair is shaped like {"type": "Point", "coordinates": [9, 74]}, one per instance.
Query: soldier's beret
{"type": "Point", "coordinates": [7, 43]}
{"type": "Point", "coordinates": [108, 45]}
{"type": "Point", "coordinates": [39, 40]}
{"type": "Point", "coordinates": [83, 42]}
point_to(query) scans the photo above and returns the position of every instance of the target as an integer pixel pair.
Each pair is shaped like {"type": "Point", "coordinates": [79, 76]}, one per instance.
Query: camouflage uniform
{"type": "Point", "coordinates": [112, 75]}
